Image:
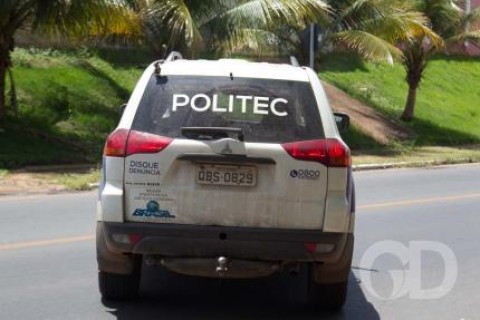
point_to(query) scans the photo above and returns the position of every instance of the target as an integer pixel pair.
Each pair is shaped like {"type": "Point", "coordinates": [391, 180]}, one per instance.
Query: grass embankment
{"type": "Point", "coordinates": [448, 103]}
{"type": "Point", "coordinates": [68, 102]}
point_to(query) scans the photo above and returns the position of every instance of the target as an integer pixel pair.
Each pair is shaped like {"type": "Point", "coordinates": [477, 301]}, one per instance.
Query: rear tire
{"type": "Point", "coordinates": [119, 286]}
{"type": "Point", "coordinates": [327, 296]}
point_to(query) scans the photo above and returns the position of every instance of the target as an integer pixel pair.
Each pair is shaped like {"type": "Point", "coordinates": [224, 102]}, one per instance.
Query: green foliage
{"type": "Point", "coordinates": [78, 181]}
{"type": "Point", "coordinates": [3, 173]}
{"type": "Point", "coordinates": [447, 104]}
{"type": "Point", "coordinates": [68, 103]}
{"type": "Point", "coordinates": [357, 140]}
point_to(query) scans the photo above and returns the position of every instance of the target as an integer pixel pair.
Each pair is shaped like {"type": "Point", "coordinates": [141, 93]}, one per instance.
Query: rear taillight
{"type": "Point", "coordinates": [123, 142]}
{"type": "Point", "coordinates": [311, 150]}
{"type": "Point", "coordinates": [338, 154]}
{"type": "Point", "coordinates": [116, 143]}
{"type": "Point", "coordinates": [330, 152]}
{"type": "Point", "coordinates": [142, 142]}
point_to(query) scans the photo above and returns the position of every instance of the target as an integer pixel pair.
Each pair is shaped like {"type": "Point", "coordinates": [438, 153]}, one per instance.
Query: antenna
{"type": "Point", "coordinates": [164, 51]}
{"type": "Point", "coordinates": [294, 61]}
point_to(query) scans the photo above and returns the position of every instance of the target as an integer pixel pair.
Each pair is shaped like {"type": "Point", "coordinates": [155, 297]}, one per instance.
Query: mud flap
{"type": "Point", "coordinates": [110, 261]}
{"type": "Point", "coordinates": [335, 272]}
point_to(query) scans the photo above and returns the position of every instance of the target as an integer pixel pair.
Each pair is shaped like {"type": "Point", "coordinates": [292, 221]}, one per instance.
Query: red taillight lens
{"type": "Point", "coordinates": [338, 154]}
{"type": "Point", "coordinates": [330, 152]}
{"type": "Point", "coordinates": [311, 150]}
{"type": "Point", "coordinates": [142, 142]}
{"type": "Point", "coordinates": [123, 142]}
{"type": "Point", "coordinates": [116, 143]}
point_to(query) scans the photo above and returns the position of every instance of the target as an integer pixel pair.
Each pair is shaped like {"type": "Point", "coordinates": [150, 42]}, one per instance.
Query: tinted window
{"type": "Point", "coordinates": [266, 110]}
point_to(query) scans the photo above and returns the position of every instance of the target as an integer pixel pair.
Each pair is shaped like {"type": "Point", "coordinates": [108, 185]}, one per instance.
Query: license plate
{"type": "Point", "coordinates": [245, 176]}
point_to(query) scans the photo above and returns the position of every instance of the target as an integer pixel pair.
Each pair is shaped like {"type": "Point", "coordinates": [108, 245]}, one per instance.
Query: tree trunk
{"type": "Point", "coordinates": [415, 61]}
{"type": "Point", "coordinates": [13, 92]}
{"type": "Point", "coordinates": [407, 114]}
{"type": "Point", "coordinates": [6, 46]}
{"type": "Point", "coordinates": [3, 74]}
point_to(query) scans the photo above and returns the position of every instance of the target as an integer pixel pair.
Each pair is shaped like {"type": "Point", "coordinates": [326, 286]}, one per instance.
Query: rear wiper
{"type": "Point", "coordinates": [211, 133]}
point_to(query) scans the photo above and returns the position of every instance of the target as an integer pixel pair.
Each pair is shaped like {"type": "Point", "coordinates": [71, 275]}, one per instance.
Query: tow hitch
{"type": "Point", "coordinates": [222, 266]}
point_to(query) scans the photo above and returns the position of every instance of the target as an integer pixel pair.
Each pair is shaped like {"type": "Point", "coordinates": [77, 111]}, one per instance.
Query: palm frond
{"type": "Point", "coordinates": [444, 15]}
{"type": "Point", "coordinates": [177, 20]}
{"type": "Point", "coordinates": [13, 14]}
{"type": "Point", "coordinates": [258, 41]}
{"type": "Point", "coordinates": [473, 36]}
{"type": "Point", "coordinates": [368, 45]}
{"type": "Point", "coordinates": [77, 17]}
{"type": "Point", "coordinates": [472, 18]}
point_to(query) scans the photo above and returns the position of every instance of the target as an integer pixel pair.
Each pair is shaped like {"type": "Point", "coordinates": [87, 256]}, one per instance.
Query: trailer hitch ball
{"type": "Point", "coordinates": [222, 265]}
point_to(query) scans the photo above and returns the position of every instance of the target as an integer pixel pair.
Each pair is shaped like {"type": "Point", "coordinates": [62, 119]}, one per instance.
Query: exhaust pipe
{"type": "Point", "coordinates": [294, 269]}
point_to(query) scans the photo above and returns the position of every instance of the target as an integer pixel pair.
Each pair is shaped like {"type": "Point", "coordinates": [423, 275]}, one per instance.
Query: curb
{"type": "Point", "coordinates": [62, 167]}
{"type": "Point", "coordinates": [379, 166]}
{"type": "Point", "coordinates": [419, 164]}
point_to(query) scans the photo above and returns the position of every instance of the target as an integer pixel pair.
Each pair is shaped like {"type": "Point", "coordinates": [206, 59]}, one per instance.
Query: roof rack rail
{"type": "Point", "coordinates": [174, 55]}
{"type": "Point", "coordinates": [294, 61]}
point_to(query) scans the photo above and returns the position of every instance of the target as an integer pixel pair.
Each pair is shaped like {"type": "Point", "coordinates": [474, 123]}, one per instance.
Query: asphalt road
{"type": "Point", "coordinates": [424, 224]}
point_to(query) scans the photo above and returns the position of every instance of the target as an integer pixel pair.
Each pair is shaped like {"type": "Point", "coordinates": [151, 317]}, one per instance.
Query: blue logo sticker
{"type": "Point", "coordinates": [152, 210]}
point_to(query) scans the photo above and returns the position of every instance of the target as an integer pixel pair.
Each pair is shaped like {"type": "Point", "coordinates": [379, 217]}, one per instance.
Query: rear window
{"type": "Point", "coordinates": [274, 111]}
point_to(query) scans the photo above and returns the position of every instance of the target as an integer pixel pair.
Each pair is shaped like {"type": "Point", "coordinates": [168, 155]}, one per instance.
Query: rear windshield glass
{"type": "Point", "coordinates": [266, 110]}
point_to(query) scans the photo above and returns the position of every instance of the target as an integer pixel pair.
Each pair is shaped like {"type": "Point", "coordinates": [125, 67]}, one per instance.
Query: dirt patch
{"type": "Point", "coordinates": [28, 183]}
{"type": "Point", "coordinates": [38, 180]}
{"type": "Point", "coordinates": [365, 118]}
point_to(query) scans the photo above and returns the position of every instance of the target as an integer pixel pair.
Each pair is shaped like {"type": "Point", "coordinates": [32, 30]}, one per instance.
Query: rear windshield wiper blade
{"type": "Point", "coordinates": [211, 133]}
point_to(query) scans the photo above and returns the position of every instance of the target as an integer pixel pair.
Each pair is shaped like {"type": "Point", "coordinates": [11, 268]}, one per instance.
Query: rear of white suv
{"type": "Point", "coordinates": [226, 169]}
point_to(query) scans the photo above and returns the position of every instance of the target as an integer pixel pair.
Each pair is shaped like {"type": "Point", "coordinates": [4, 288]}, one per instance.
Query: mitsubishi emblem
{"type": "Point", "coordinates": [226, 150]}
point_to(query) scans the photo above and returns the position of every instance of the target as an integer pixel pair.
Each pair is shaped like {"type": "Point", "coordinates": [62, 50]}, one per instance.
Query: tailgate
{"type": "Point", "coordinates": [225, 183]}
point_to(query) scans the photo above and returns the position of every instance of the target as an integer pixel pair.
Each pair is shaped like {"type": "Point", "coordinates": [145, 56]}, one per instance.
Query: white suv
{"type": "Point", "coordinates": [228, 169]}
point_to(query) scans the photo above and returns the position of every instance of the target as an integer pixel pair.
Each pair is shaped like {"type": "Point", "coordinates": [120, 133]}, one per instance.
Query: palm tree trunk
{"type": "Point", "coordinates": [415, 61]}
{"type": "Point", "coordinates": [407, 114]}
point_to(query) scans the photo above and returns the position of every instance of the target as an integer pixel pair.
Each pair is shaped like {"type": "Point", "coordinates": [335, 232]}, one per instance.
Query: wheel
{"type": "Point", "coordinates": [329, 296]}
{"type": "Point", "coordinates": [119, 286]}
{"type": "Point", "coordinates": [327, 284]}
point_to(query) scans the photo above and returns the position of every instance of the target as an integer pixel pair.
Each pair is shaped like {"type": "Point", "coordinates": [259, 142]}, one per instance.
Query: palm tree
{"type": "Point", "coordinates": [224, 26]}
{"type": "Point", "coordinates": [79, 17]}
{"type": "Point", "coordinates": [371, 28]}
{"type": "Point", "coordinates": [449, 24]}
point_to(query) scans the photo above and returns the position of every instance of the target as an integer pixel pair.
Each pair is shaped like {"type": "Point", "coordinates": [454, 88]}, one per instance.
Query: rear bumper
{"type": "Point", "coordinates": [175, 240]}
